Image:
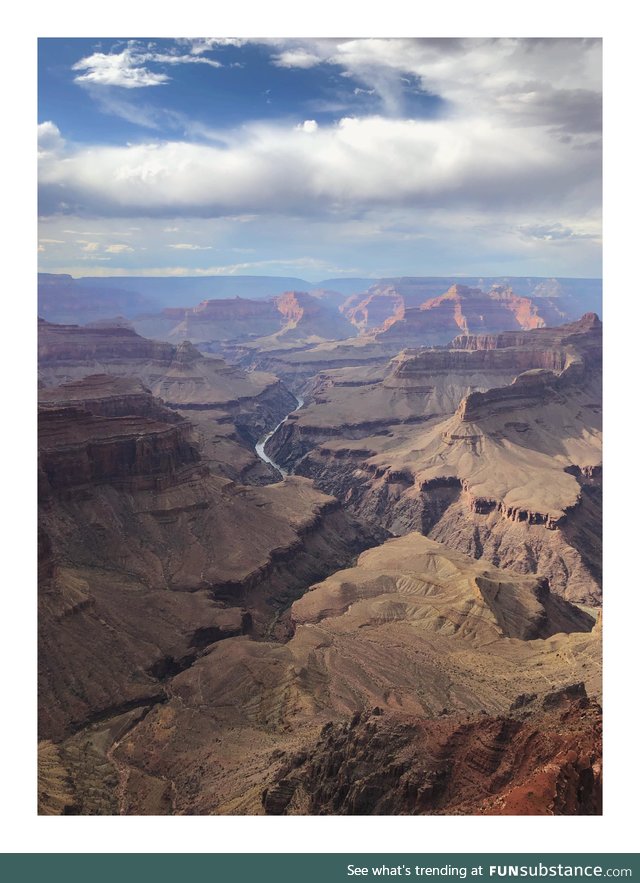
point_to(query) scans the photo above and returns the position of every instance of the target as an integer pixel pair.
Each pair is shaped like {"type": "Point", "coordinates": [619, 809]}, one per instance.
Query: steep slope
{"type": "Point", "coordinates": [146, 557]}
{"type": "Point", "coordinates": [231, 407]}
{"type": "Point", "coordinates": [398, 669]}
{"type": "Point", "coordinates": [551, 300]}
{"type": "Point", "coordinates": [310, 317]}
{"type": "Point", "coordinates": [546, 761]}
{"type": "Point", "coordinates": [298, 364]}
{"type": "Point", "coordinates": [492, 446]}
{"type": "Point", "coordinates": [212, 320]}
{"type": "Point", "coordinates": [461, 310]}
{"type": "Point", "coordinates": [292, 316]}
{"type": "Point", "coordinates": [376, 308]}
{"type": "Point", "coordinates": [207, 645]}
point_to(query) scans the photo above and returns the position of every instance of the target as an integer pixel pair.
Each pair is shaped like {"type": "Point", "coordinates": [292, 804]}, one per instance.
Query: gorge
{"type": "Point", "coordinates": [335, 577]}
{"type": "Point", "coordinates": [260, 446]}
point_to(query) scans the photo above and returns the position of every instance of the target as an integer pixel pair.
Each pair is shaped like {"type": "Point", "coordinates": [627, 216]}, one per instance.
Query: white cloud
{"type": "Point", "coordinates": [122, 69]}
{"type": "Point", "coordinates": [557, 232]}
{"type": "Point", "coordinates": [205, 44]}
{"type": "Point", "coordinates": [129, 69]}
{"type": "Point", "coordinates": [496, 76]}
{"type": "Point", "coordinates": [188, 246]}
{"type": "Point", "coordinates": [358, 163]}
{"type": "Point", "coordinates": [49, 138]}
{"type": "Point", "coordinates": [118, 248]}
{"type": "Point", "coordinates": [277, 265]}
{"type": "Point", "coordinates": [398, 240]}
{"type": "Point", "coordinates": [509, 169]}
{"type": "Point", "coordinates": [296, 58]}
{"type": "Point", "coordinates": [88, 246]}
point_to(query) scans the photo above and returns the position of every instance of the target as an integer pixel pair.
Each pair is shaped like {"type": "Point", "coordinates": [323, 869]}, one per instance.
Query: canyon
{"type": "Point", "coordinates": [322, 552]}
{"type": "Point", "coordinates": [492, 446]}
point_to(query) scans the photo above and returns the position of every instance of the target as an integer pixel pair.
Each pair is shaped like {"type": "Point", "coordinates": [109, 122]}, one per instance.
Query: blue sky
{"type": "Point", "coordinates": [316, 158]}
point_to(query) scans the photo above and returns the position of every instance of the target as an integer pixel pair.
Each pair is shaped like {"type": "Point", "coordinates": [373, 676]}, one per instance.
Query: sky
{"type": "Point", "coordinates": [320, 157]}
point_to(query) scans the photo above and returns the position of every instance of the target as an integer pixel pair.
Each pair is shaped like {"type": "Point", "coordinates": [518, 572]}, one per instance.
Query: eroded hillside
{"type": "Point", "coordinates": [392, 628]}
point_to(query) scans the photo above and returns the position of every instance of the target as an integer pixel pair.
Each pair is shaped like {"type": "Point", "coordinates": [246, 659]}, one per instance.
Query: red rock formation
{"type": "Point", "coordinates": [294, 313]}
{"type": "Point", "coordinates": [295, 304]}
{"type": "Point", "coordinates": [309, 317]}
{"type": "Point", "coordinates": [462, 309]}
{"type": "Point", "coordinates": [537, 301]}
{"type": "Point", "coordinates": [376, 310]}
{"type": "Point", "coordinates": [544, 760]}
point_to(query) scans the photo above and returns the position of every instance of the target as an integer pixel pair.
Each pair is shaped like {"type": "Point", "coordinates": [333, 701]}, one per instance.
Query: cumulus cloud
{"type": "Point", "coordinates": [507, 167]}
{"type": "Point", "coordinates": [296, 58]}
{"type": "Point", "coordinates": [49, 138]}
{"type": "Point", "coordinates": [524, 81]}
{"type": "Point", "coordinates": [522, 122]}
{"type": "Point", "coordinates": [123, 69]}
{"type": "Point", "coordinates": [129, 68]}
{"type": "Point", "coordinates": [42, 243]}
{"type": "Point", "coordinates": [346, 167]}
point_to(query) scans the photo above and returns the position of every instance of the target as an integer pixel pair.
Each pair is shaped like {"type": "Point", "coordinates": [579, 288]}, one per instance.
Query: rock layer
{"type": "Point", "coordinates": [484, 446]}
{"type": "Point", "coordinates": [231, 408]}
{"type": "Point", "coordinates": [394, 764]}
{"type": "Point", "coordinates": [146, 556]}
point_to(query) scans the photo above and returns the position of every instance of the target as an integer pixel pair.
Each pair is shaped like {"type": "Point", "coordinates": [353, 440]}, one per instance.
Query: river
{"type": "Point", "coordinates": [260, 445]}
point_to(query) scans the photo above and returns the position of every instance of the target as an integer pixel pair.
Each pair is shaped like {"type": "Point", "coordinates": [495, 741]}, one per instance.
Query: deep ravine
{"type": "Point", "coordinates": [261, 444]}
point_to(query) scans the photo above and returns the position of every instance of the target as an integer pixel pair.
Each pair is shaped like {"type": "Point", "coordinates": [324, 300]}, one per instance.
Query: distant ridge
{"type": "Point", "coordinates": [63, 298]}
